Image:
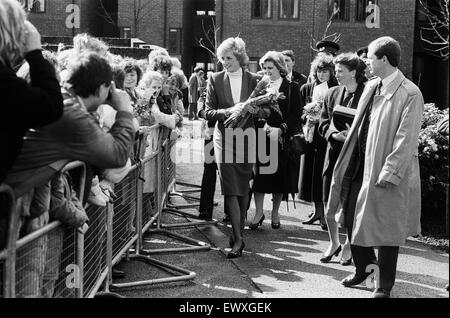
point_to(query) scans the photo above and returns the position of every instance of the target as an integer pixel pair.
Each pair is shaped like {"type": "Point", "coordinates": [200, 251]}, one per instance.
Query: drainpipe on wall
{"type": "Point", "coordinates": [165, 24]}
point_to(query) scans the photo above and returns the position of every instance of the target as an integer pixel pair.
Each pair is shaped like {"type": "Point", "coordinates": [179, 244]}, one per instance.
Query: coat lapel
{"type": "Point", "coordinates": [394, 85]}
{"type": "Point", "coordinates": [244, 86]}
{"type": "Point", "coordinates": [227, 89]}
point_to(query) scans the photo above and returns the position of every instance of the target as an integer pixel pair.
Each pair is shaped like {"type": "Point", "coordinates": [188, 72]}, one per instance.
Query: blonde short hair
{"type": "Point", "coordinates": [237, 47]}
{"type": "Point", "coordinates": [277, 58]}
{"type": "Point", "coordinates": [12, 31]}
{"type": "Point", "coordinates": [149, 77]}
{"type": "Point", "coordinates": [85, 42]}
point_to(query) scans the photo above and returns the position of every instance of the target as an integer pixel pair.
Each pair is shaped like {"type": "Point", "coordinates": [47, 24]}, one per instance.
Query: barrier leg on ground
{"type": "Point", "coordinates": [144, 220]}
{"type": "Point", "coordinates": [164, 163]}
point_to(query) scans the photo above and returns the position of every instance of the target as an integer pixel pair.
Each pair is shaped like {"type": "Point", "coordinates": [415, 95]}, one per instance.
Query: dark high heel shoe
{"type": "Point", "coordinates": [311, 220]}
{"type": "Point", "coordinates": [326, 259]}
{"type": "Point", "coordinates": [237, 253]}
{"type": "Point", "coordinates": [276, 225]}
{"type": "Point", "coordinates": [255, 225]}
{"type": "Point", "coordinates": [346, 262]}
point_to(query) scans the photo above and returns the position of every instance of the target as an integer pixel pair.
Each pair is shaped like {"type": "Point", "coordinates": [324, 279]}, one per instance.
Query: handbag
{"type": "Point", "coordinates": [296, 144]}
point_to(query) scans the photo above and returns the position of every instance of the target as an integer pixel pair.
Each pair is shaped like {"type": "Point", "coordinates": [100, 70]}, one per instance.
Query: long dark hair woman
{"type": "Point", "coordinates": [350, 74]}
{"type": "Point", "coordinates": [310, 178]}
{"type": "Point", "coordinates": [278, 127]}
{"type": "Point", "coordinates": [226, 91]}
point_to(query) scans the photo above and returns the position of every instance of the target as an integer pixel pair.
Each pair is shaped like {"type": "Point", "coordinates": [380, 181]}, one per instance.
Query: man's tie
{"type": "Point", "coordinates": [380, 85]}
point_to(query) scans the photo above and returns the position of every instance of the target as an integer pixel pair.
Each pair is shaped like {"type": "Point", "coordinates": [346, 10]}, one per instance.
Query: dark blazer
{"type": "Point", "coordinates": [299, 78]}
{"type": "Point", "coordinates": [25, 106]}
{"type": "Point", "coordinates": [219, 98]}
{"type": "Point", "coordinates": [335, 96]}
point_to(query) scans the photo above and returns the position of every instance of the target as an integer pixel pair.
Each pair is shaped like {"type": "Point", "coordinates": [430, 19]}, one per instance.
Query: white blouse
{"type": "Point", "coordinates": [236, 84]}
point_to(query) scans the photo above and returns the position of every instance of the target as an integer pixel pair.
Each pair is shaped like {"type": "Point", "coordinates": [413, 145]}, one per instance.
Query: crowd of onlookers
{"type": "Point", "coordinates": [79, 103]}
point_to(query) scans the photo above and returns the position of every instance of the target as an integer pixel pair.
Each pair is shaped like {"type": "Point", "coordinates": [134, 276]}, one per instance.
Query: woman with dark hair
{"type": "Point", "coordinates": [133, 75]}
{"type": "Point", "coordinates": [311, 164]}
{"type": "Point", "coordinates": [226, 93]}
{"type": "Point", "coordinates": [350, 74]}
{"type": "Point", "coordinates": [278, 128]}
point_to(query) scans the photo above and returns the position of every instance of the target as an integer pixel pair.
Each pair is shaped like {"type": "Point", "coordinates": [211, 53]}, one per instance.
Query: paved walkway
{"type": "Point", "coordinates": [281, 263]}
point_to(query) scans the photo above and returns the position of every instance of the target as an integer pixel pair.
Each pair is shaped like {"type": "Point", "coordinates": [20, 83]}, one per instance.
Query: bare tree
{"type": "Point", "coordinates": [141, 10]}
{"type": "Point", "coordinates": [435, 31]}
{"type": "Point", "coordinates": [334, 37]}
{"type": "Point", "coordinates": [209, 41]}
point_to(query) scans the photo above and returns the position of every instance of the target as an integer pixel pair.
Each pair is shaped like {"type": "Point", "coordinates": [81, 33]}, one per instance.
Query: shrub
{"type": "Point", "coordinates": [433, 159]}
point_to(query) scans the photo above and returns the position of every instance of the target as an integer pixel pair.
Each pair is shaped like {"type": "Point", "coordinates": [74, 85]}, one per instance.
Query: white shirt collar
{"type": "Point", "coordinates": [388, 80]}
{"type": "Point", "coordinates": [235, 74]}
{"type": "Point", "coordinates": [289, 76]}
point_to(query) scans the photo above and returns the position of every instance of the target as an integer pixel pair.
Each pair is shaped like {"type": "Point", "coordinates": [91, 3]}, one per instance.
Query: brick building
{"type": "Point", "coordinates": [264, 25]}
{"type": "Point", "coordinates": [289, 24]}
{"type": "Point", "coordinates": [64, 17]}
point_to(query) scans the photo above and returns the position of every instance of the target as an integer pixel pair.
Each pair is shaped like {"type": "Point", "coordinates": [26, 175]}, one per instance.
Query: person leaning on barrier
{"type": "Point", "coordinates": [77, 135]}
{"type": "Point", "coordinates": [24, 105]}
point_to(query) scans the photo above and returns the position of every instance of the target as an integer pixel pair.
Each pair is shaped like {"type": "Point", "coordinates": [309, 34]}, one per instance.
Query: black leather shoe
{"type": "Point", "coordinates": [328, 258]}
{"type": "Point", "coordinates": [117, 273]}
{"type": "Point", "coordinates": [381, 293]}
{"type": "Point", "coordinates": [226, 218]}
{"type": "Point", "coordinates": [276, 225]}
{"type": "Point", "coordinates": [354, 279]}
{"type": "Point", "coordinates": [254, 226]}
{"type": "Point", "coordinates": [237, 253]}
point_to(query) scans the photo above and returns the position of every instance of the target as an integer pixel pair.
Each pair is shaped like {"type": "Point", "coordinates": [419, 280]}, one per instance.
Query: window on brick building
{"type": "Point", "coordinates": [361, 6]}
{"type": "Point", "coordinates": [261, 9]}
{"type": "Point", "coordinates": [175, 41]}
{"type": "Point", "coordinates": [35, 6]}
{"type": "Point", "coordinates": [340, 9]}
{"type": "Point", "coordinates": [253, 65]}
{"type": "Point", "coordinates": [289, 9]}
{"type": "Point", "coordinates": [126, 32]}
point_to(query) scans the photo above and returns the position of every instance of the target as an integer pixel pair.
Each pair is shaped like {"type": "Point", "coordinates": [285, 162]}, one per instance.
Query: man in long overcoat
{"type": "Point", "coordinates": [376, 180]}
{"type": "Point", "coordinates": [196, 87]}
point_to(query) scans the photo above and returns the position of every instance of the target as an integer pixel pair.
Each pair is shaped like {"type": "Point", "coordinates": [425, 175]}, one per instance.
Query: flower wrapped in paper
{"type": "Point", "coordinates": [312, 113]}
{"type": "Point", "coordinates": [264, 96]}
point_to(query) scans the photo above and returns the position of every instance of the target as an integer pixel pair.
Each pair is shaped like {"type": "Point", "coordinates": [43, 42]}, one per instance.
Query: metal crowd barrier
{"type": "Point", "coordinates": [57, 261]}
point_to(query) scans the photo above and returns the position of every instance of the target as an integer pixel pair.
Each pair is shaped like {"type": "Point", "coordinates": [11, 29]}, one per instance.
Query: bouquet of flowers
{"type": "Point", "coordinates": [264, 96]}
{"type": "Point", "coordinates": [311, 111]}
{"type": "Point", "coordinates": [142, 111]}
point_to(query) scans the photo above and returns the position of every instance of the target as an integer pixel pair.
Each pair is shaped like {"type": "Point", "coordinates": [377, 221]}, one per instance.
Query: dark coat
{"type": "Point", "coordinates": [285, 179]}
{"type": "Point", "coordinates": [310, 178]}
{"type": "Point", "coordinates": [299, 78]}
{"type": "Point", "coordinates": [25, 106]}
{"type": "Point", "coordinates": [335, 96]}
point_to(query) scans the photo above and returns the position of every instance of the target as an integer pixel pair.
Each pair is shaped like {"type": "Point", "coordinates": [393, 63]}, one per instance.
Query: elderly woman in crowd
{"type": "Point", "coordinates": [278, 126]}
{"type": "Point", "coordinates": [225, 92]}
{"type": "Point", "coordinates": [310, 179]}
{"type": "Point", "coordinates": [24, 105]}
{"type": "Point", "coordinates": [350, 74]}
